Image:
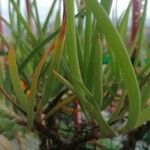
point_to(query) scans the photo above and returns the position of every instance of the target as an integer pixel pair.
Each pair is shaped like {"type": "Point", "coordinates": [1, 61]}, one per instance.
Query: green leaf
{"type": "Point", "coordinates": [87, 40]}
{"type": "Point", "coordinates": [37, 21]}
{"type": "Point", "coordinates": [37, 49]}
{"type": "Point", "coordinates": [107, 5]}
{"type": "Point", "coordinates": [123, 22]}
{"type": "Point", "coordinates": [98, 81]}
{"type": "Point", "coordinates": [50, 13]}
{"type": "Point", "coordinates": [33, 90]}
{"type": "Point", "coordinates": [15, 80]}
{"type": "Point", "coordinates": [90, 72]}
{"type": "Point", "coordinates": [23, 21]}
{"type": "Point", "coordinates": [16, 35]}
{"type": "Point", "coordinates": [55, 62]}
{"type": "Point", "coordinates": [144, 116]}
{"type": "Point", "coordinates": [120, 52]}
{"type": "Point", "coordinates": [2, 99]}
{"type": "Point", "coordinates": [80, 52]}
{"type": "Point", "coordinates": [4, 40]}
{"type": "Point", "coordinates": [145, 95]}
{"type": "Point", "coordinates": [71, 39]}
{"type": "Point", "coordinates": [144, 70]}
{"type": "Point", "coordinates": [89, 104]}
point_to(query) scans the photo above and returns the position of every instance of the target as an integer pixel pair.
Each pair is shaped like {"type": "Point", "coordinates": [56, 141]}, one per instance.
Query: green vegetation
{"type": "Point", "coordinates": [55, 82]}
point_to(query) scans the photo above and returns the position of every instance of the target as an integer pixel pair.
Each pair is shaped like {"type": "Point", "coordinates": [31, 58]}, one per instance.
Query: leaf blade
{"type": "Point", "coordinates": [118, 48]}
{"type": "Point", "coordinates": [22, 99]}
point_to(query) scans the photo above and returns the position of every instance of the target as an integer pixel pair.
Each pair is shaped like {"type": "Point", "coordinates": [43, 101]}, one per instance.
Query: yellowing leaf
{"type": "Point", "coordinates": [15, 80]}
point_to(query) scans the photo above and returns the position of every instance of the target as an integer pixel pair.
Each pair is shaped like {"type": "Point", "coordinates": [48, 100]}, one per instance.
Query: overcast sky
{"type": "Point", "coordinates": [44, 5]}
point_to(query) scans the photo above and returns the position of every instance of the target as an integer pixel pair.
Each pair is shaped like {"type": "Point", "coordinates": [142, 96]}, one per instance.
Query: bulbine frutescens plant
{"type": "Point", "coordinates": [70, 55]}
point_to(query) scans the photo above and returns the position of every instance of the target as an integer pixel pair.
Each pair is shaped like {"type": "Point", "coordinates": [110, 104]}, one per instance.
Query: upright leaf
{"type": "Point", "coordinates": [145, 95]}
{"type": "Point", "coordinates": [87, 45]}
{"type": "Point", "coordinates": [107, 5]}
{"type": "Point", "coordinates": [33, 90]}
{"type": "Point", "coordinates": [37, 49]}
{"type": "Point", "coordinates": [98, 81]}
{"type": "Point", "coordinates": [120, 52]}
{"type": "Point", "coordinates": [55, 61]}
{"type": "Point", "coordinates": [2, 99]}
{"type": "Point", "coordinates": [123, 22]}
{"type": "Point", "coordinates": [23, 21]}
{"type": "Point", "coordinates": [13, 70]}
{"type": "Point", "coordinates": [71, 39]}
{"type": "Point", "coordinates": [89, 104]}
{"type": "Point", "coordinates": [144, 116]}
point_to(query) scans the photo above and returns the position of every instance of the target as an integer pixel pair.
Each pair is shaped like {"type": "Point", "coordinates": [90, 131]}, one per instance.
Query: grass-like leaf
{"type": "Point", "coordinates": [89, 104]}
{"type": "Point", "coordinates": [98, 81]}
{"type": "Point", "coordinates": [23, 21]}
{"type": "Point", "coordinates": [33, 90]}
{"type": "Point", "coordinates": [144, 116]}
{"type": "Point", "coordinates": [50, 13]}
{"type": "Point", "coordinates": [120, 52]}
{"type": "Point", "coordinates": [59, 106]}
{"type": "Point", "coordinates": [71, 39]}
{"type": "Point", "coordinates": [107, 5]}
{"type": "Point", "coordinates": [123, 22]}
{"type": "Point", "coordinates": [15, 79]}
{"type": "Point", "coordinates": [145, 95]}
{"type": "Point", "coordinates": [55, 62]}
{"type": "Point", "coordinates": [87, 45]}
{"type": "Point", "coordinates": [37, 49]}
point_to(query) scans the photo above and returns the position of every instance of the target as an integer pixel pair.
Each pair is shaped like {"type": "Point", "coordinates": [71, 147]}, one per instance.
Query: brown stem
{"type": "Point", "coordinates": [28, 10]}
{"type": "Point", "coordinates": [135, 24]}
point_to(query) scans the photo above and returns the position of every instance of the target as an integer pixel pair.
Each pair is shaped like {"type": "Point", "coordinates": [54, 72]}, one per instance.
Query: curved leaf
{"type": "Point", "coordinates": [22, 99]}
{"type": "Point", "coordinates": [32, 96]}
{"type": "Point", "coordinates": [90, 105]}
{"type": "Point", "coordinates": [120, 52]}
{"type": "Point", "coordinates": [144, 116]}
